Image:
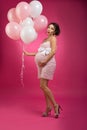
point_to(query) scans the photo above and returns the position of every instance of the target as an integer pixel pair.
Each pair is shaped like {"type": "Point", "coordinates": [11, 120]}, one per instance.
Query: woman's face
{"type": "Point", "coordinates": [51, 29]}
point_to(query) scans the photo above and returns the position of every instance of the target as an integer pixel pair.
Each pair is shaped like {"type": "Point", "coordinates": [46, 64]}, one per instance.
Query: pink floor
{"type": "Point", "coordinates": [21, 110]}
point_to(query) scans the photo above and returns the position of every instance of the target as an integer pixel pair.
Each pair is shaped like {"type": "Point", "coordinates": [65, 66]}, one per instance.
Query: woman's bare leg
{"type": "Point", "coordinates": [49, 96]}
{"type": "Point", "coordinates": [48, 103]}
{"type": "Point", "coordinates": [47, 91]}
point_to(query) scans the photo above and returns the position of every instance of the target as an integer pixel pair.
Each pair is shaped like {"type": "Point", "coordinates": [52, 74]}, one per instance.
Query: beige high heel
{"type": "Point", "coordinates": [47, 112]}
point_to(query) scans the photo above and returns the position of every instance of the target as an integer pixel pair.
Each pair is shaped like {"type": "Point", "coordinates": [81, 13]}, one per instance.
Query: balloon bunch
{"type": "Point", "coordinates": [25, 21]}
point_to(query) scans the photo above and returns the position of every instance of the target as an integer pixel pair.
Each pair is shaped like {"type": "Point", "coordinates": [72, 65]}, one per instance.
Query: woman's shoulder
{"type": "Point", "coordinates": [53, 39]}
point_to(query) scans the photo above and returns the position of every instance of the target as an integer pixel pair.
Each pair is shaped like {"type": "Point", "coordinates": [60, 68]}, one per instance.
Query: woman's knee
{"type": "Point", "coordinates": [43, 84]}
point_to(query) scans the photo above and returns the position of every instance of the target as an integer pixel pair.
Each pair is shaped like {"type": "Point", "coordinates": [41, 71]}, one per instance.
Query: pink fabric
{"type": "Point", "coordinates": [46, 72]}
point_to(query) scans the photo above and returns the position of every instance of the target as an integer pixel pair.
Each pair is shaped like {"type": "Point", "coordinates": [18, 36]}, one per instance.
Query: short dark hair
{"type": "Point", "coordinates": [57, 28]}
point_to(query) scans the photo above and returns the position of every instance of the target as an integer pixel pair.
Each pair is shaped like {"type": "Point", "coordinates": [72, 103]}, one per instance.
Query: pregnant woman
{"type": "Point", "coordinates": [46, 65]}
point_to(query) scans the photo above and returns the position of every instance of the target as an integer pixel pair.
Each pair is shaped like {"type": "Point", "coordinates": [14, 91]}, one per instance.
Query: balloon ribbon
{"type": "Point", "coordinates": [22, 68]}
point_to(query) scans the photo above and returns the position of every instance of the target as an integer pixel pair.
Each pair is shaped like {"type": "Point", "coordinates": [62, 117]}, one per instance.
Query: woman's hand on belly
{"type": "Point", "coordinates": [42, 63]}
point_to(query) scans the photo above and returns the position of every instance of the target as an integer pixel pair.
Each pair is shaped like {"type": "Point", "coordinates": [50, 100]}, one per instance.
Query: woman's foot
{"type": "Point", "coordinates": [47, 112]}
{"type": "Point", "coordinates": [57, 110]}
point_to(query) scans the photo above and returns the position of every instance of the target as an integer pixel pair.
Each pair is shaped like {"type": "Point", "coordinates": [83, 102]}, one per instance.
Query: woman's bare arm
{"type": "Point", "coordinates": [29, 53]}
{"type": "Point", "coordinates": [53, 49]}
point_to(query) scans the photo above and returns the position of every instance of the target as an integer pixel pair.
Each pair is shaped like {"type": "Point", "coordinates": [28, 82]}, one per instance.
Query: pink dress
{"type": "Point", "coordinates": [46, 72]}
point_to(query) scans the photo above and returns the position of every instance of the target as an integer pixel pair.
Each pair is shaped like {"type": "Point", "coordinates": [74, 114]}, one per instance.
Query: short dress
{"type": "Point", "coordinates": [47, 71]}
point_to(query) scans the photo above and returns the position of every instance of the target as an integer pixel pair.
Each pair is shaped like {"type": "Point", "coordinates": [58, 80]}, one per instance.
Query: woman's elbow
{"type": "Point", "coordinates": [53, 52]}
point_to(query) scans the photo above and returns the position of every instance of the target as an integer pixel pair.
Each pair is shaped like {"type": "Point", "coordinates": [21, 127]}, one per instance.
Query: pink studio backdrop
{"type": "Point", "coordinates": [70, 75]}
{"type": "Point", "coordinates": [70, 78]}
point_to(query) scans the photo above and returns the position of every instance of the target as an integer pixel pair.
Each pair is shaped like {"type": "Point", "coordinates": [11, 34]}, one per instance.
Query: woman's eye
{"type": "Point", "coordinates": [52, 29]}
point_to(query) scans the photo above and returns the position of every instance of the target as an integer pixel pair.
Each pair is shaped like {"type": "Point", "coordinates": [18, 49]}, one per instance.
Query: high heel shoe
{"type": "Point", "coordinates": [47, 112]}
{"type": "Point", "coordinates": [57, 109]}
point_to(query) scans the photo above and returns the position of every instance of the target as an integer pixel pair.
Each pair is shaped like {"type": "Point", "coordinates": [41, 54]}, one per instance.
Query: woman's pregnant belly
{"type": "Point", "coordinates": [40, 57]}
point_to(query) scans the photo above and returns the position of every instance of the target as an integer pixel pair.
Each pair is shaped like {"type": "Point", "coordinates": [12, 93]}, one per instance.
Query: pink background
{"type": "Point", "coordinates": [70, 81]}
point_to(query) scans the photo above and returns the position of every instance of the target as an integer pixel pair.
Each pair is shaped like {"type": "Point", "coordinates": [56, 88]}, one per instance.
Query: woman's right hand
{"type": "Point", "coordinates": [28, 53]}
{"type": "Point", "coordinates": [25, 52]}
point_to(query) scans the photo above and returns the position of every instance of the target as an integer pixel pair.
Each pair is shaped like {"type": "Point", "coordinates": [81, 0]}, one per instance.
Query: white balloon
{"type": "Point", "coordinates": [36, 8]}
{"type": "Point", "coordinates": [28, 34]}
{"type": "Point", "coordinates": [27, 22]}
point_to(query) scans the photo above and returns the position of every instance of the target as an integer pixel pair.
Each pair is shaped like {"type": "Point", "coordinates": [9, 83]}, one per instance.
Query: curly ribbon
{"type": "Point", "coordinates": [22, 68]}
